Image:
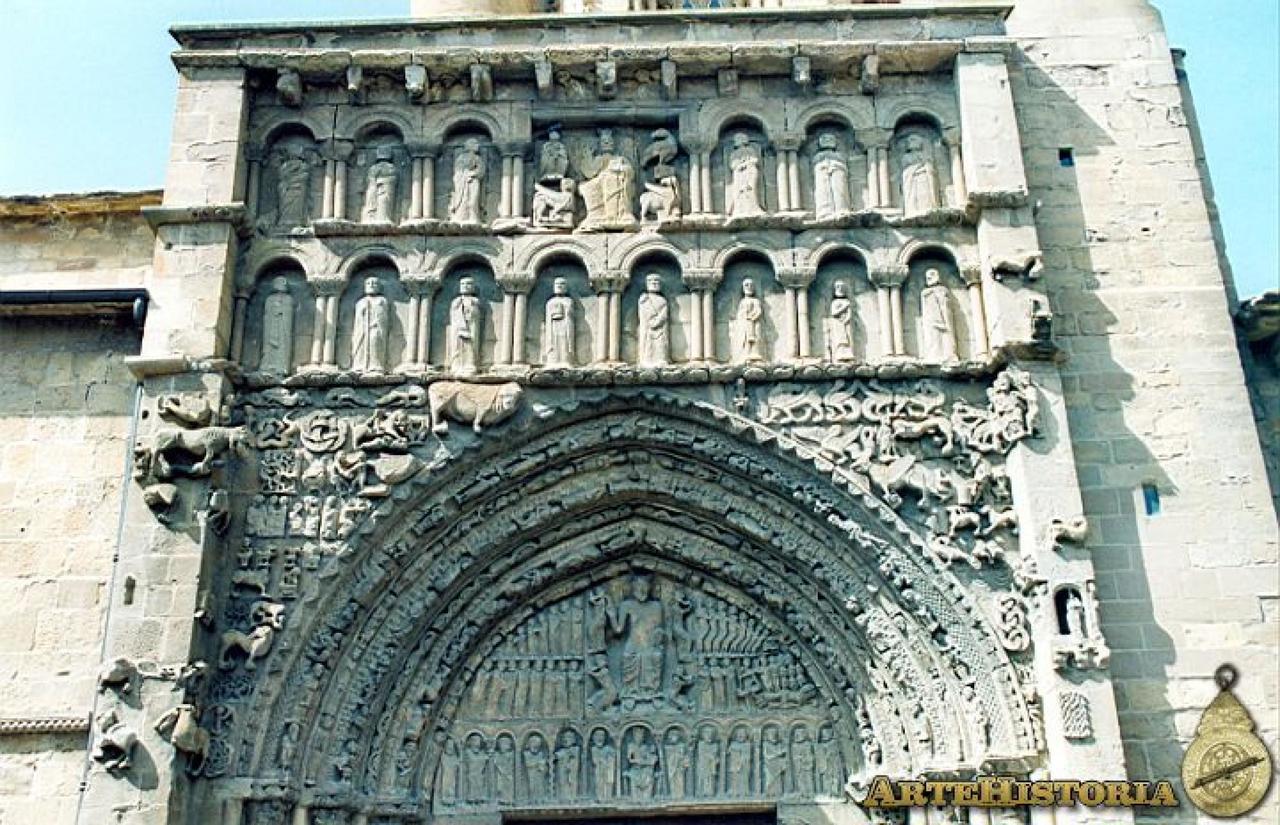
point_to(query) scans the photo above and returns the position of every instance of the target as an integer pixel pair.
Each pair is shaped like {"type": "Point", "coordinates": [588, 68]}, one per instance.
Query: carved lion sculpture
{"type": "Point", "coordinates": [192, 453]}
{"type": "Point", "coordinates": [181, 728]}
{"type": "Point", "coordinates": [479, 405]}
{"type": "Point", "coordinates": [268, 619]}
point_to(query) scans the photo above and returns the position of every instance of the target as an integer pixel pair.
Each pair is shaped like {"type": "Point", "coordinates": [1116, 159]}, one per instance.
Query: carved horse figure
{"type": "Point", "coordinates": [182, 730]}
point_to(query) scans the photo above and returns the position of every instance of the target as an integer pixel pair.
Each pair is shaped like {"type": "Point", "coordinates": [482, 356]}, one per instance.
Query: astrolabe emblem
{"type": "Point", "coordinates": [1227, 769]}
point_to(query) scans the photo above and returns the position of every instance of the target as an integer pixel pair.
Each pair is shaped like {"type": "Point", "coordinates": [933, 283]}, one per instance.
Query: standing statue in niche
{"type": "Point", "coordinates": [537, 767]}
{"type": "Point", "coordinates": [380, 188]}
{"type": "Point", "coordinates": [655, 320]}
{"type": "Point", "coordinates": [642, 765]}
{"type": "Point", "coordinates": [830, 179]}
{"type": "Point", "coordinates": [468, 184]}
{"type": "Point", "coordinates": [450, 771]}
{"type": "Point", "coordinates": [293, 187]}
{"type": "Point", "coordinates": [1074, 609]}
{"type": "Point", "coordinates": [744, 178]}
{"type": "Point", "coordinates": [371, 329]}
{"type": "Point", "coordinates": [748, 333]}
{"type": "Point", "coordinates": [608, 190]}
{"type": "Point", "coordinates": [661, 199]}
{"type": "Point", "coordinates": [774, 752]}
{"type": "Point", "coordinates": [568, 763]}
{"type": "Point", "coordinates": [937, 320]}
{"type": "Point", "coordinates": [464, 330]}
{"type": "Point", "coordinates": [676, 758]}
{"type": "Point", "coordinates": [803, 760]}
{"type": "Point", "coordinates": [557, 333]}
{"type": "Point", "coordinates": [838, 325]}
{"type": "Point", "coordinates": [277, 330]}
{"type": "Point", "coordinates": [738, 763]}
{"type": "Point", "coordinates": [475, 763]}
{"type": "Point", "coordinates": [604, 765]}
{"type": "Point", "coordinates": [640, 623]}
{"type": "Point", "coordinates": [504, 769]}
{"type": "Point", "coordinates": [828, 764]}
{"type": "Point", "coordinates": [919, 178]}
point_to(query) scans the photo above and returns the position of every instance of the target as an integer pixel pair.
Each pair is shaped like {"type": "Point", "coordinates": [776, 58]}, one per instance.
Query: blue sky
{"type": "Point", "coordinates": [88, 94]}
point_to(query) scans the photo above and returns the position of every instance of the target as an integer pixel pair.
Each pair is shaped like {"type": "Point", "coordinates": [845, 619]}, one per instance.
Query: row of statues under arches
{"type": "Point", "coordinates": [467, 325]}
{"type": "Point", "coordinates": [606, 178]}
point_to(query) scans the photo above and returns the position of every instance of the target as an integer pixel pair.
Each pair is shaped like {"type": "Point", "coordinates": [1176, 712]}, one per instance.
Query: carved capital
{"type": "Point", "coordinates": [797, 277]}
{"type": "Point", "coordinates": [612, 280]}
{"type": "Point", "coordinates": [698, 145]}
{"type": "Point", "coordinates": [421, 283]}
{"type": "Point", "coordinates": [971, 273]}
{"type": "Point", "coordinates": [789, 141]}
{"type": "Point", "coordinates": [517, 283]}
{"type": "Point", "coordinates": [516, 150]}
{"type": "Point", "coordinates": [327, 285]}
{"type": "Point", "coordinates": [255, 152]}
{"type": "Point", "coordinates": [889, 275]}
{"type": "Point", "coordinates": [338, 149]}
{"type": "Point", "coordinates": [703, 279]}
{"type": "Point", "coordinates": [422, 150]}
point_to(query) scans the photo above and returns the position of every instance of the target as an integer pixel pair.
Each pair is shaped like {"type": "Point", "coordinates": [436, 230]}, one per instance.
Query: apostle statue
{"type": "Point", "coordinates": [738, 762]}
{"type": "Point", "coordinates": [706, 762]}
{"type": "Point", "coordinates": [277, 330]}
{"type": "Point", "coordinates": [464, 330]}
{"type": "Point", "coordinates": [642, 764]}
{"type": "Point", "coordinates": [380, 188]}
{"type": "Point", "coordinates": [608, 190]}
{"type": "Point", "coordinates": [655, 319]}
{"type": "Point", "coordinates": [537, 766]}
{"type": "Point", "coordinates": [748, 333]}
{"type": "Point", "coordinates": [293, 187]}
{"type": "Point", "coordinates": [558, 333]}
{"type": "Point", "coordinates": [468, 183]}
{"type": "Point", "coordinates": [676, 759]}
{"type": "Point", "coordinates": [568, 759]}
{"type": "Point", "coordinates": [830, 179]}
{"type": "Point", "coordinates": [744, 178]}
{"type": "Point", "coordinates": [838, 325]}
{"type": "Point", "coordinates": [937, 320]}
{"type": "Point", "coordinates": [371, 329]}
{"type": "Point", "coordinates": [919, 178]}
{"type": "Point", "coordinates": [604, 765]}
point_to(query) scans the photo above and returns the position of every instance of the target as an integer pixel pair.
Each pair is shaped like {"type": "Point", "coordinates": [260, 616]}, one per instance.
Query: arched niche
{"type": "Point", "coordinates": [378, 189]}
{"type": "Point", "coordinates": [583, 300]}
{"type": "Point", "coordinates": [934, 315]}
{"type": "Point", "coordinates": [833, 180]}
{"type": "Point", "coordinates": [848, 267]}
{"type": "Point", "coordinates": [454, 170]}
{"type": "Point", "coordinates": [279, 322]}
{"type": "Point", "coordinates": [744, 135]}
{"type": "Point", "coordinates": [680, 306]}
{"type": "Point", "coordinates": [292, 185]}
{"type": "Point", "coordinates": [755, 266]}
{"type": "Point", "coordinates": [919, 165]}
{"type": "Point", "coordinates": [381, 271]}
{"type": "Point", "coordinates": [490, 294]}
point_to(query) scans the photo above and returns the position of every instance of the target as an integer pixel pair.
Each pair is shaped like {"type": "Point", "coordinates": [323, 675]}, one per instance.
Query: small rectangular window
{"type": "Point", "coordinates": [1151, 499]}
{"type": "Point", "coordinates": [1066, 157]}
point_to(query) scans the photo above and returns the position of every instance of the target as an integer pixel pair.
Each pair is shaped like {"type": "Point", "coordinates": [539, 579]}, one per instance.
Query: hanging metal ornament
{"type": "Point", "coordinates": [1227, 769]}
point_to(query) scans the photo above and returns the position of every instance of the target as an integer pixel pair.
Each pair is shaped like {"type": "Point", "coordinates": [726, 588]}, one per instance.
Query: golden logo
{"type": "Point", "coordinates": [1227, 769]}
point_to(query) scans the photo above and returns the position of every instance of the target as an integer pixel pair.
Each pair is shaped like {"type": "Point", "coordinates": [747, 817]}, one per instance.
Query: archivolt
{"type": "Point", "coordinates": [463, 554]}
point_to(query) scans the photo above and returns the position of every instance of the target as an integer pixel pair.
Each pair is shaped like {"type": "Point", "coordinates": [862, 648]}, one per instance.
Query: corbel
{"type": "Point", "coordinates": [289, 87]}
{"type": "Point", "coordinates": [607, 79]}
{"type": "Point", "coordinates": [416, 81]}
{"type": "Point", "coordinates": [481, 83]}
{"type": "Point", "coordinates": [669, 75]}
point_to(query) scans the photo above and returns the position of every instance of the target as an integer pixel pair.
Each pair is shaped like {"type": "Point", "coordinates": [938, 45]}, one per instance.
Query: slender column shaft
{"type": "Point", "coordinates": [301, 815]}
{"type": "Point", "coordinates": [340, 190]}
{"type": "Point", "coordinates": [517, 331]}
{"type": "Point", "coordinates": [423, 355]}
{"type": "Point", "coordinates": [317, 331]}
{"type": "Point", "coordinates": [232, 811]}
{"type": "Point", "coordinates": [602, 327]}
{"type": "Point", "coordinates": [237, 328]}
{"type": "Point", "coordinates": [330, 176]}
{"type": "Point", "coordinates": [695, 337]}
{"type": "Point", "coordinates": [504, 198]}
{"type": "Point", "coordinates": [251, 189]}
{"type": "Point", "coordinates": [791, 330]}
{"type": "Point", "coordinates": [506, 325]}
{"type": "Point", "coordinates": [886, 321]}
{"type": "Point", "coordinates": [802, 300]}
{"type": "Point", "coordinates": [517, 187]}
{"type": "Point", "coordinates": [707, 203]}
{"type": "Point", "coordinates": [784, 181]}
{"type": "Point", "coordinates": [795, 199]}
{"type": "Point", "coordinates": [895, 308]}
{"type": "Point", "coordinates": [886, 192]}
{"type": "Point", "coordinates": [414, 330]}
{"type": "Point", "coordinates": [708, 325]}
{"type": "Point", "coordinates": [873, 177]}
{"type": "Point", "coordinates": [415, 192]}
{"type": "Point", "coordinates": [957, 177]}
{"type": "Point", "coordinates": [615, 326]}
{"type": "Point", "coordinates": [331, 330]}
{"type": "Point", "coordinates": [978, 321]}
{"type": "Point", "coordinates": [428, 187]}
{"type": "Point", "coordinates": [695, 183]}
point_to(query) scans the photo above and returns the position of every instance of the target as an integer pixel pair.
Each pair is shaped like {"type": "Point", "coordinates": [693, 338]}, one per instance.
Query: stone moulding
{"type": "Point", "coordinates": [35, 725]}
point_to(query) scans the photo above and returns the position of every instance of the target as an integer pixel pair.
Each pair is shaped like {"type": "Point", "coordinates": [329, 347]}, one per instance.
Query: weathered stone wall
{"type": "Point", "coordinates": [1154, 383]}
{"type": "Point", "coordinates": [65, 408]}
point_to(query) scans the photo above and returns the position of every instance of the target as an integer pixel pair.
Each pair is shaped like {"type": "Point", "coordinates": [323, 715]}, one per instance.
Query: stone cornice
{"type": "Point", "coordinates": [78, 204]}
{"type": "Point", "coordinates": [232, 213]}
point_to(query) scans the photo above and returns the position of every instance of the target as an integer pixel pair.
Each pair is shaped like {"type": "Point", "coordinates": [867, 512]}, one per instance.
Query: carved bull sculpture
{"type": "Point", "coordinates": [479, 405]}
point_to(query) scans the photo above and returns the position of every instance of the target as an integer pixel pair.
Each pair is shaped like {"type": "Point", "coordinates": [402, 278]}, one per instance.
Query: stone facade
{"type": "Point", "coordinates": [705, 412]}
